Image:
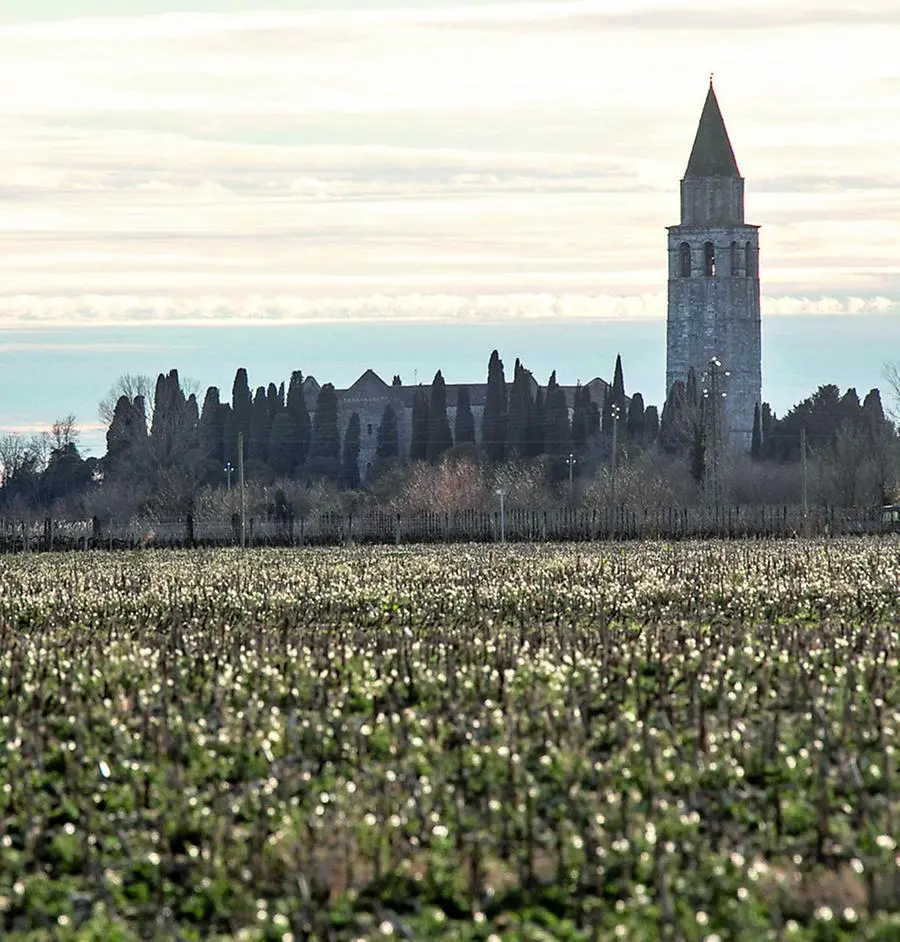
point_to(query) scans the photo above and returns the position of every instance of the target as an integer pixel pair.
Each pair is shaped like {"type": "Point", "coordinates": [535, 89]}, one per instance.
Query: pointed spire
{"type": "Point", "coordinates": [712, 155]}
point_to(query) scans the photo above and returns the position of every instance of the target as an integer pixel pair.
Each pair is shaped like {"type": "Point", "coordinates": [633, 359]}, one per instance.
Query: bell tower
{"type": "Point", "coordinates": [713, 309]}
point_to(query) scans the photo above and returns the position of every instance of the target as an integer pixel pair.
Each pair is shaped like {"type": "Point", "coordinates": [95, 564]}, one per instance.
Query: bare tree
{"type": "Point", "coordinates": [18, 452]}
{"type": "Point", "coordinates": [63, 432]}
{"type": "Point", "coordinates": [130, 385]}
{"type": "Point", "coordinates": [892, 375]}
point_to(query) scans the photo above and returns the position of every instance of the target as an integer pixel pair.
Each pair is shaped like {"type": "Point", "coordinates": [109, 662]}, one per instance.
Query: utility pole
{"type": "Point", "coordinates": [241, 485]}
{"type": "Point", "coordinates": [803, 478]}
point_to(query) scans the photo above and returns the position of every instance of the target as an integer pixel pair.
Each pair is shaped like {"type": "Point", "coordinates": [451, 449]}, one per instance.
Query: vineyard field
{"type": "Point", "coordinates": [695, 741]}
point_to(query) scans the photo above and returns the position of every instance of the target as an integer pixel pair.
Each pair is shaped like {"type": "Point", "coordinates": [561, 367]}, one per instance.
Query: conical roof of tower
{"type": "Point", "coordinates": [712, 155]}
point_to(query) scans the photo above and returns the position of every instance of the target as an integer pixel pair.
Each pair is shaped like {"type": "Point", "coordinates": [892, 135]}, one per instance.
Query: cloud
{"type": "Point", "coordinates": [374, 163]}
{"type": "Point", "coordinates": [412, 308]}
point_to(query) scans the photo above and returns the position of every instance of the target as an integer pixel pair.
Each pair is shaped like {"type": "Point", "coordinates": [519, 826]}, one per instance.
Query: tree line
{"type": "Point", "coordinates": [165, 448]}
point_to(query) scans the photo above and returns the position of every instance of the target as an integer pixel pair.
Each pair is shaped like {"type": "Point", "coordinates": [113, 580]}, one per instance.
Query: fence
{"type": "Point", "coordinates": [514, 525]}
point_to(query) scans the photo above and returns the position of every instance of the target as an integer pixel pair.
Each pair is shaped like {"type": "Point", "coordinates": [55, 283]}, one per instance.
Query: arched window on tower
{"type": "Point", "coordinates": [735, 259]}
{"type": "Point", "coordinates": [685, 260]}
{"type": "Point", "coordinates": [749, 260]}
{"type": "Point", "coordinates": [709, 259]}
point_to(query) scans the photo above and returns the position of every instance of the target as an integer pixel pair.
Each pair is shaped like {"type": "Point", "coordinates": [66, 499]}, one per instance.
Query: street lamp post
{"type": "Point", "coordinates": [570, 461]}
{"type": "Point", "coordinates": [229, 470]}
{"type": "Point", "coordinates": [615, 412]}
{"type": "Point", "coordinates": [501, 493]}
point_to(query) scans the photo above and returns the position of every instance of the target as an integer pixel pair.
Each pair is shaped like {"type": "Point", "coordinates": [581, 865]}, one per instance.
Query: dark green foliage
{"type": "Point", "coordinates": [558, 430]}
{"type": "Point", "coordinates": [651, 424]}
{"type": "Point", "coordinates": [281, 448]}
{"type": "Point", "coordinates": [241, 402]}
{"type": "Point", "coordinates": [260, 428]}
{"type": "Point", "coordinates": [519, 411]}
{"type": "Point", "coordinates": [615, 396]}
{"type": "Point", "coordinates": [325, 445]}
{"type": "Point", "coordinates": [582, 418]}
{"type": "Point", "coordinates": [823, 414]}
{"type": "Point", "coordinates": [418, 444]}
{"type": "Point", "coordinates": [439, 438]}
{"type": "Point", "coordinates": [66, 474]}
{"type": "Point", "coordinates": [301, 427]}
{"type": "Point", "coordinates": [635, 428]}
{"type": "Point", "coordinates": [537, 432]}
{"type": "Point", "coordinates": [387, 439]}
{"type": "Point", "coordinates": [756, 438]}
{"type": "Point", "coordinates": [274, 399]}
{"type": "Point", "coordinates": [212, 427]}
{"type": "Point", "coordinates": [872, 410]}
{"type": "Point", "coordinates": [169, 414]}
{"type": "Point", "coordinates": [618, 383]}
{"type": "Point", "coordinates": [464, 427]}
{"type": "Point", "coordinates": [350, 454]}
{"type": "Point", "coordinates": [127, 431]}
{"type": "Point", "coordinates": [493, 419]}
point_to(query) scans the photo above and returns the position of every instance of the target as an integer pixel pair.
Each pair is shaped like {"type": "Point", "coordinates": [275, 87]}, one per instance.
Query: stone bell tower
{"type": "Point", "coordinates": [713, 312]}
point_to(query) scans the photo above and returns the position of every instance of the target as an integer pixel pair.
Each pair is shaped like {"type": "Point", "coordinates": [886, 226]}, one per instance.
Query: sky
{"type": "Point", "coordinates": [208, 166]}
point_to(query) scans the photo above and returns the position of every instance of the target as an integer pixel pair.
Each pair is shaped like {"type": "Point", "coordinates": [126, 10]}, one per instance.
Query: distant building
{"type": "Point", "coordinates": [369, 395]}
{"type": "Point", "coordinates": [713, 309]}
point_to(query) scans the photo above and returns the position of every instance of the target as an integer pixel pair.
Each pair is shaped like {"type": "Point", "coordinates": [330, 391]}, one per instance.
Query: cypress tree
{"type": "Point", "coordinates": [464, 428]}
{"type": "Point", "coordinates": [191, 416]}
{"type": "Point", "coordinates": [520, 406]}
{"type": "Point", "coordinates": [325, 444]}
{"type": "Point", "coordinates": [618, 384]}
{"type": "Point", "coordinates": [387, 438]}
{"type": "Point", "coordinates": [172, 425]}
{"type": "Point", "coordinates": [873, 411]}
{"type": "Point", "coordinates": [651, 424]}
{"type": "Point", "coordinates": [418, 444]}
{"type": "Point", "coordinates": [439, 437]}
{"type": "Point", "coordinates": [274, 401]}
{"type": "Point", "coordinates": [493, 420]}
{"type": "Point", "coordinates": [229, 437]}
{"type": "Point", "coordinates": [350, 454]}
{"type": "Point", "coordinates": [281, 446]}
{"type": "Point", "coordinates": [634, 426]}
{"type": "Point", "coordinates": [614, 395]}
{"type": "Point", "coordinates": [301, 427]}
{"type": "Point", "coordinates": [580, 409]}
{"type": "Point", "coordinates": [127, 429]}
{"type": "Point", "coordinates": [260, 427]}
{"type": "Point", "coordinates": [241, 402]}
{"type": "Point", "coordinates": [672, 419]}
{"type": "Point", "coordinates": [536, 426]}
{"type": "Point", "coordinates": [756, 438]}
{"type": "Point", "coordinates": [211, 421]}
{"type": "Point", "coordinates": [559, 433]}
